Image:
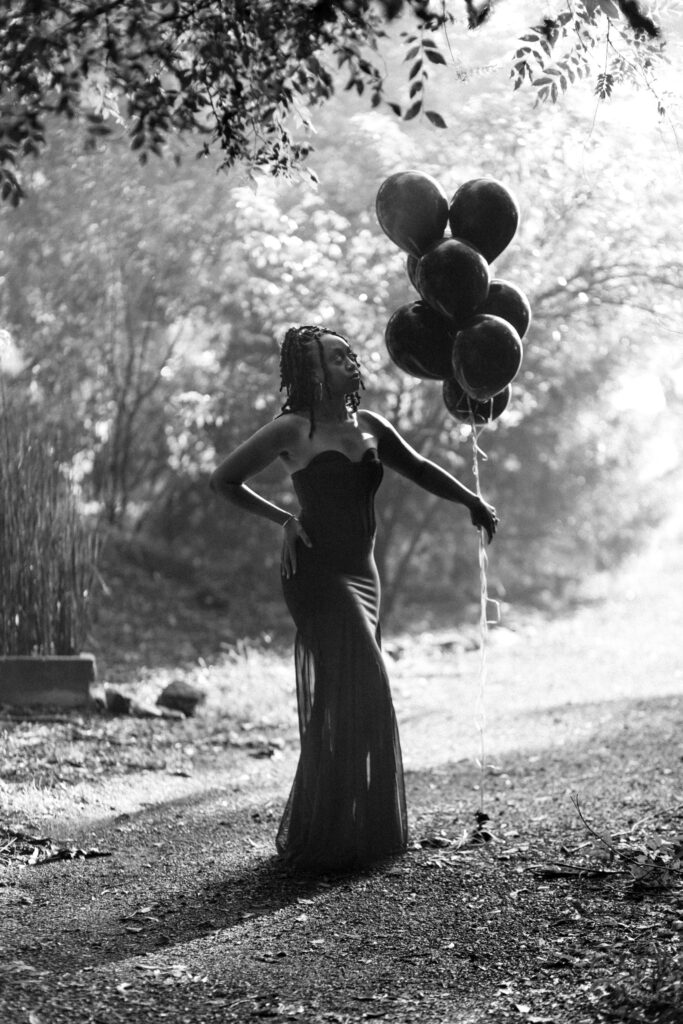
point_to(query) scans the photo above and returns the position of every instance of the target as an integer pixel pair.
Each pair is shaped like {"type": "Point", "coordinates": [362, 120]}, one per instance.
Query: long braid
{"type": "Point", "coordinates": [296, 375]}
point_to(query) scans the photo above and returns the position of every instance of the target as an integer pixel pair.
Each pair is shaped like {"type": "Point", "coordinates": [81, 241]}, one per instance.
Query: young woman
{"type": "Point", "coordinates": [347, 804]}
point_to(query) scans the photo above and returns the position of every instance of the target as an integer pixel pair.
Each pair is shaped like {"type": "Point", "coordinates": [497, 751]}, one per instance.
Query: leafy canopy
{"type": "Point", "coordinates": [235, 72]}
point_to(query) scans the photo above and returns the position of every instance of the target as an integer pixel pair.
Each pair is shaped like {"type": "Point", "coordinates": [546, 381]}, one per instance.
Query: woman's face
{"type": "Point", "coordinates": [341, 369]}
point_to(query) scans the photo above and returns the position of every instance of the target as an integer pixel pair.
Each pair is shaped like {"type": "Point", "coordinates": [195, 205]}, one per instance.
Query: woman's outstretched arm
{"type": "Point", "coordinates": [398, 455]}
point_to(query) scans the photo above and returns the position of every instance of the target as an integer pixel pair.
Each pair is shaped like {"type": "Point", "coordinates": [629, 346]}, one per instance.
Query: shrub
{"type": "Point", "coordinates": [48, 553]}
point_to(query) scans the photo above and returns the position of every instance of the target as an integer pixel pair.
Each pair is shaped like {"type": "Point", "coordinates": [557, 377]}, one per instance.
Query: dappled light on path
{"type": "Point", "coordinates": [624, 643]}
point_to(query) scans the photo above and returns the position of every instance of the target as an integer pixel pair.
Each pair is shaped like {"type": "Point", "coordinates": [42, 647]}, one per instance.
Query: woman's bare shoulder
{"type": "Point", "coordinates": [291, 427]}
{"type": "Point", "coordinates": [284, 429]}
{"type": "Point", "coordinates": [273, 440]}
{"type": "Point", "coordinates": [373, 421]}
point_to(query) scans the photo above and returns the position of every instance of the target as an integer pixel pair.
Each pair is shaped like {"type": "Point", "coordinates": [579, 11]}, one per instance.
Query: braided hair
{"type": "Point", "coordinates": [297, 378]}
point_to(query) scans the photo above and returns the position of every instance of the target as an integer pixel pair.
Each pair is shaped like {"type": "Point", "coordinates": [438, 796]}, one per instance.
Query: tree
{"type": "Point", "coordinates": [100, 293]}
{"type": "Point", "coordinates": [235, 74]}
{"type": "Point", "coordinates": [227, 267]}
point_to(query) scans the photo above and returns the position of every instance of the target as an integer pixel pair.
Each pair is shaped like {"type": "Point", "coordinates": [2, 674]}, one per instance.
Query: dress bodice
{"type": "Point", "coordinates": [336, 495]}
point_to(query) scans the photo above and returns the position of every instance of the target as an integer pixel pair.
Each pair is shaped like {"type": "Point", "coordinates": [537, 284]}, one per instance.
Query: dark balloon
{"type": "Point", "coordinates": [464, 408]}
{"type": "Point", "coordinates": [486, 356]}
{"type": "Point", "coordinates": [510, 303]}
{"type": "Point", "coordinates": [485, 214]}
{"type": "Point", "coordinates": [411, 270]}
{"type": "Point", "coordinates": [412, 210]}
{"type": "Point", "coordinates": [420, 342]}
{"type": "Point", "coordinates": [453, 278]}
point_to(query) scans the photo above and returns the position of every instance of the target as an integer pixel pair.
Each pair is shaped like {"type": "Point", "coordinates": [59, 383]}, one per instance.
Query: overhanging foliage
{"type": "Point", "coordinates": [232, 74]}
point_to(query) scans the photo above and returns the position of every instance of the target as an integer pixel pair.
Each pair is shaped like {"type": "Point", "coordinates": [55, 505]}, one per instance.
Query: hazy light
{"type": "Point", "coordinates": [642, 393]}
{"type": "Point", "coordinates": [11, 362]}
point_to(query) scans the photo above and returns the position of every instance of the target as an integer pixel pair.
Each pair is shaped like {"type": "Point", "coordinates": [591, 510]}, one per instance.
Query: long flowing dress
{"type": "Point", "coordinates": [347, 804]}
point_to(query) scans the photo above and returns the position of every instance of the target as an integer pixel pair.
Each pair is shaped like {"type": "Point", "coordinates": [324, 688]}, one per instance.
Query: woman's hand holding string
{"type": "Point", "coordinates": [484, 517]}
{"type": "Point", "coordinates": [293, 531]}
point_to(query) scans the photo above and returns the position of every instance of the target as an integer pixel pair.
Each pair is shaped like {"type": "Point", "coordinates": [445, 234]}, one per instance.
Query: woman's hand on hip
{"type": "Point", "coordinates": [293, 531]}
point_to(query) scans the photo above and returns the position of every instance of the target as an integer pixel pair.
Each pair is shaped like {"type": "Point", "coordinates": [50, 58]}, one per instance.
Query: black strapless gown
{"type": "Point", "coordinates": [347, 804]}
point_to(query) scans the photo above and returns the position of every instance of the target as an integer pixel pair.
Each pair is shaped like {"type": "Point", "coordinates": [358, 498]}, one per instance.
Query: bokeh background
{"type": "Point", "coordinates": [142, 308]}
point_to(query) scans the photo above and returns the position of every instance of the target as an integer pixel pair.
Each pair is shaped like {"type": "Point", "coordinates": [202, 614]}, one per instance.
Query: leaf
{"type": "Point", "coordinates": [413, 111]}
{"type": "Point", "coordinates": [435, 56]}
{"type": "Point", "coordinates": [435, 118]}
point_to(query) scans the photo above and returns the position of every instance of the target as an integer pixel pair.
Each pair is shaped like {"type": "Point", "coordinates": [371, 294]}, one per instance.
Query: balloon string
{"type": "Point", "coordinates": [483, 626]}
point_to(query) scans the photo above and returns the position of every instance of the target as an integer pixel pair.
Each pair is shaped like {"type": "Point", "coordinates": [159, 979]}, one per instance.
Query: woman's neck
{"type": "Point", "coordinates": [331, 410]}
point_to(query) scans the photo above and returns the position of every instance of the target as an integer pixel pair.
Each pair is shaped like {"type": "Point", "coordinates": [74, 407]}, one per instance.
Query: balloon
{"type": "Point", "coordinates": [453, 278]}
{"type": "Point", "coordinates": [487, 354]}
{"type": "Point", "coordinates": [420, 341]}
{"type": "Point", "coordinates": [464, 408]}
{"type": "Point", "coordinates": [485, 214]}
{"type": "Point", "coordinates": [510, 303]}
{"type": "Point", "coordinates": [411, 270]}
{"type": "Point", "coordinates": [412, 210]}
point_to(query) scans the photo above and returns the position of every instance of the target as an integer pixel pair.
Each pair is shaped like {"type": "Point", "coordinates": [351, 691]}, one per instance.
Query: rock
{"type": "Point", "coordinates": [144, 710]}
{"type": "Point", "coordinates": [171, 713]}
{"type": "Point", "coordinates": [116, 702]}
{"type": "Point", "coordinates": [181, 696]}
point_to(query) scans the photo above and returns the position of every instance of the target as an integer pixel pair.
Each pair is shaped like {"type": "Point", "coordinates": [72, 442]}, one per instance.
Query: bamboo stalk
{"type": "Point", "coordinates": [48, 553]}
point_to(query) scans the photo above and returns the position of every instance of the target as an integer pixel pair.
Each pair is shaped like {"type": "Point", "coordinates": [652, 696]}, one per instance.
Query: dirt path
{"type": "Point", "coordinates": [189, 919]}
{"type": "Point", "coordinates": [543, 677]}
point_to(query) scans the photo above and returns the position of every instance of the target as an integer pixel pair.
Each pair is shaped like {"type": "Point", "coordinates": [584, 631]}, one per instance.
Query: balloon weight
{"type": "Point", "coordinates": [487, 354]}
{"type": "Point", "coordinates": [420, 342]}
{"type": "Point", "coordinates": [464, 408]}
{"type": "Point", "coordinates": [453, 278]}
{"type": "Point", "coordinates": [485, 214]}
{"type": "Point", "coordinates": [412, 210]}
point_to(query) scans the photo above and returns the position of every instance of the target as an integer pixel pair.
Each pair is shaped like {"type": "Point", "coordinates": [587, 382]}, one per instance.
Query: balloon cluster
{"type": "Point", "coordinates": [467, 328]}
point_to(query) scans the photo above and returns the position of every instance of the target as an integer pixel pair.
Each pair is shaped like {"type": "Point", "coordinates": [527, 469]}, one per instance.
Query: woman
{"type": "Point", "coordinates": [347, 804]}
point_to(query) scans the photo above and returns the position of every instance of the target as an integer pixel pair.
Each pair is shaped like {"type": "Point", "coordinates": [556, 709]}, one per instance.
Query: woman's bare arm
{"type": "Point", "coordinates": [398, 455]}
{"type": "Point", "coordinates": [254, 455]}
{"type": "Point", "coordinates": [257, 452]}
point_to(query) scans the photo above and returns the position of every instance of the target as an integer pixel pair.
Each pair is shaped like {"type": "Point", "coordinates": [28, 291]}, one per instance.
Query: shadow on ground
{"type": "Point", "coordinates": [193, 869]}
